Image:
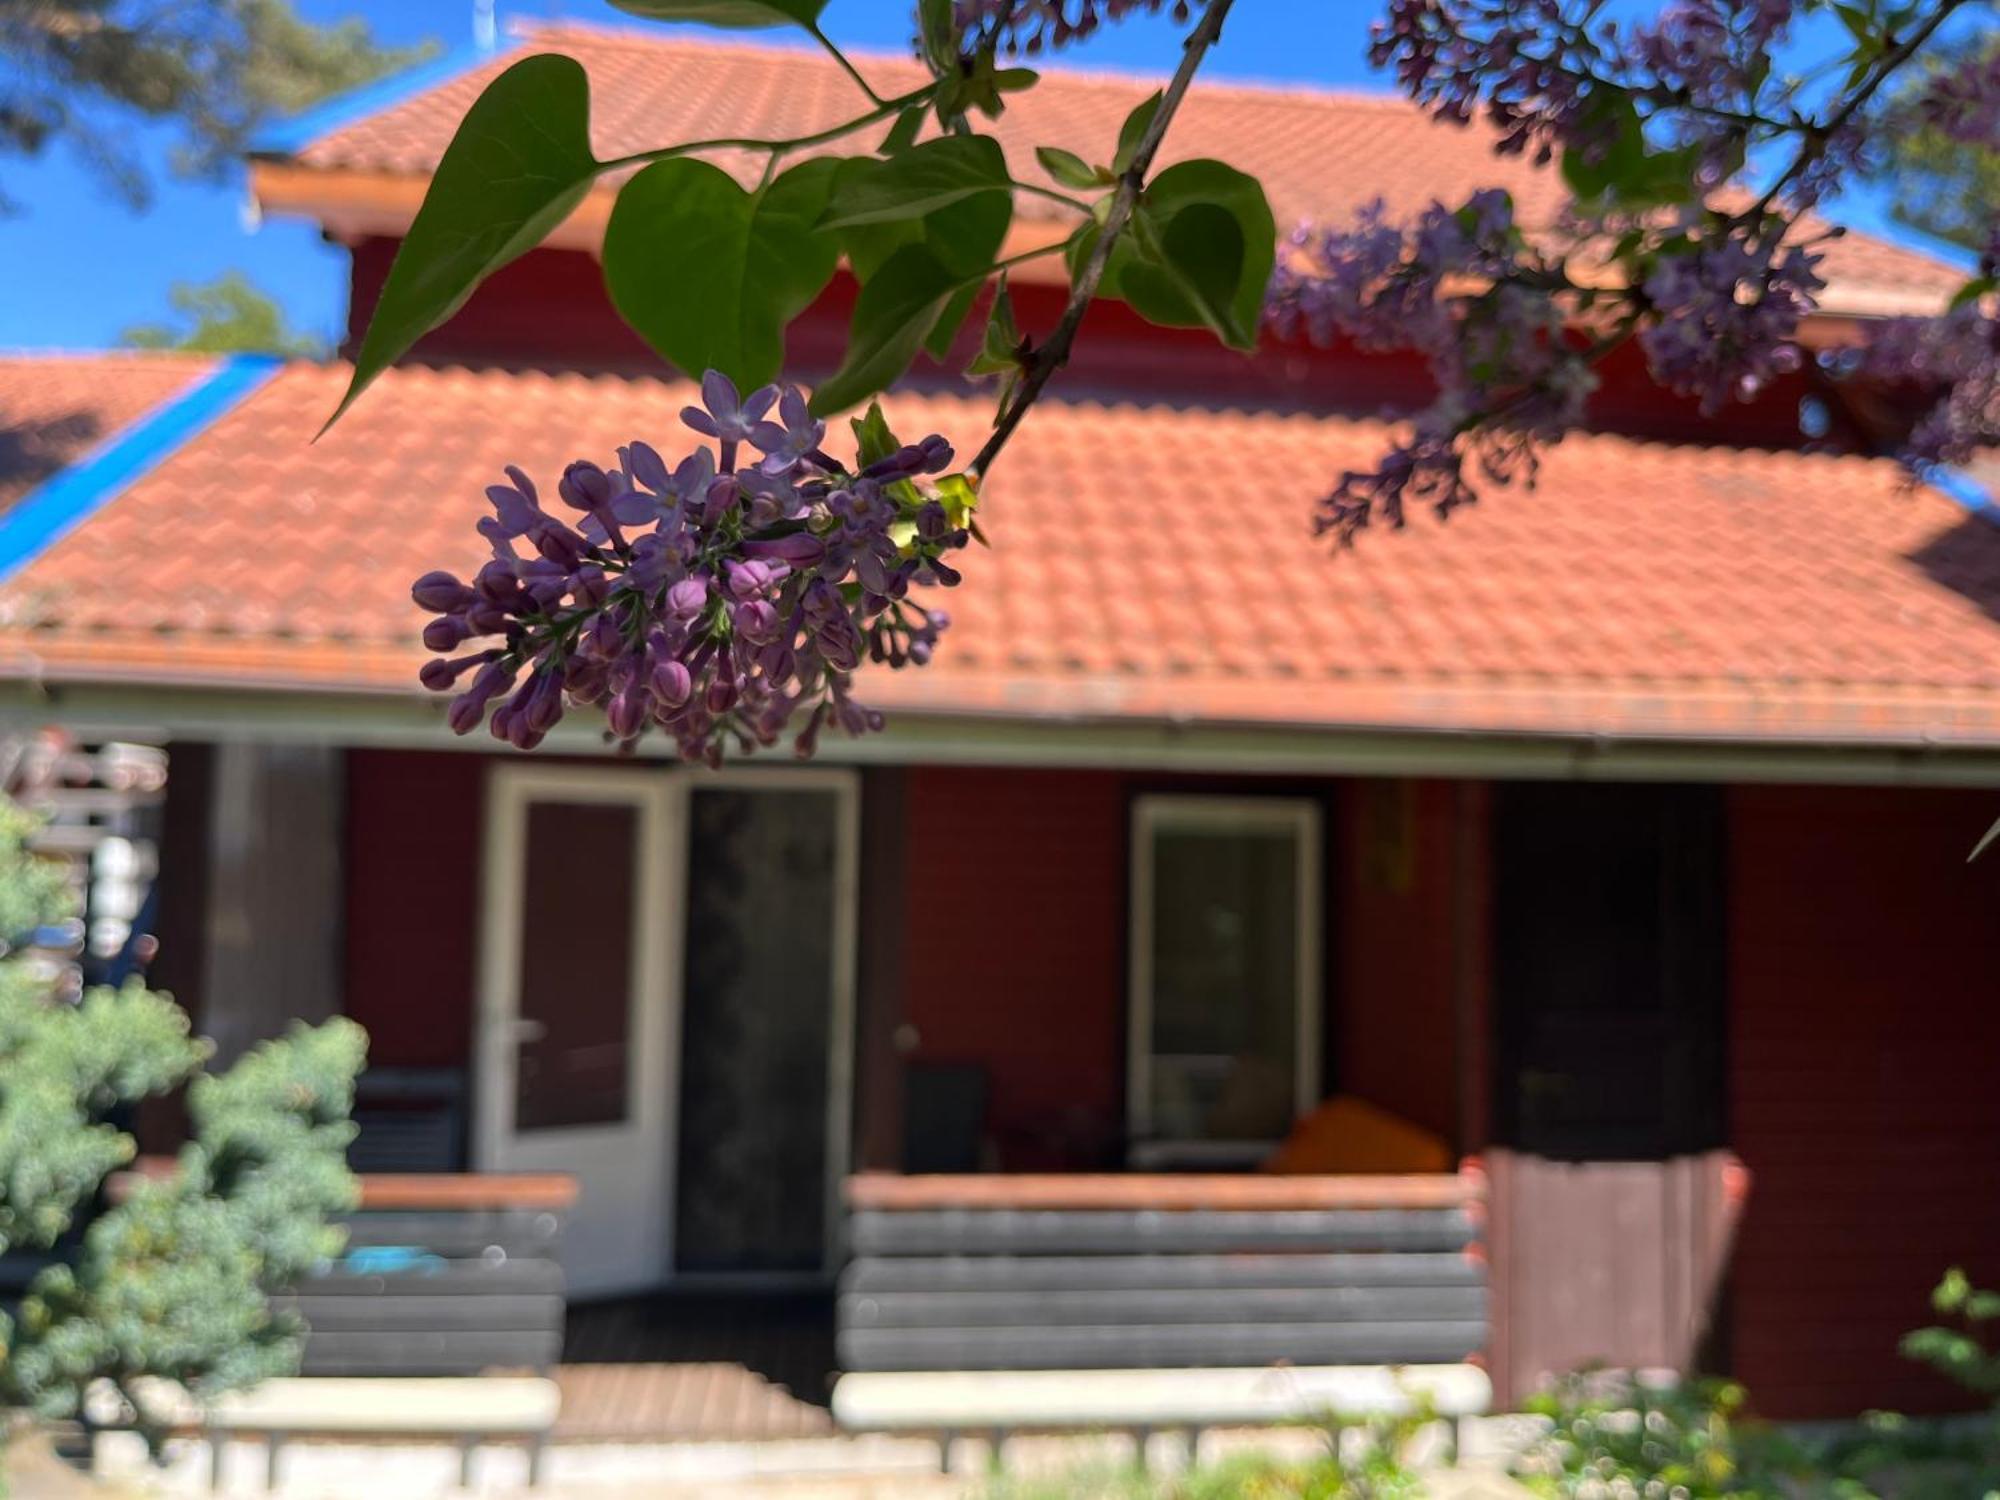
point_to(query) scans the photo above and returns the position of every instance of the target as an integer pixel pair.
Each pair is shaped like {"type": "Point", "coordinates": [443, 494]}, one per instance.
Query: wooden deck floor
{"type": "Point", "coordinates": [692, 1367]}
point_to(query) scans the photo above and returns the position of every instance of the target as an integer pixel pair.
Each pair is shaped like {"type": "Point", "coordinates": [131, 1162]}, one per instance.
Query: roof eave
{"type": "Point", "coordinates": [283, 712]}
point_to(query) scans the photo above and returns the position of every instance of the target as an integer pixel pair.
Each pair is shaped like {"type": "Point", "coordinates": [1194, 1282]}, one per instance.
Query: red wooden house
{"type": "Point", "coordinates": [1612, 836]}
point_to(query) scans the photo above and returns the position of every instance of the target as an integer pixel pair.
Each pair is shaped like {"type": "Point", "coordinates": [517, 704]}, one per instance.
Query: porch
{"type": "Point", "coordinates": [1013, 975]}
{"type": "Point", "coordinates": [1420, 1274]}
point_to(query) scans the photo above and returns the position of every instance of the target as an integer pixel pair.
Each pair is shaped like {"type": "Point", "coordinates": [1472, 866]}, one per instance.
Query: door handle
{"type": "Point", "coordinates": [526, 1031]}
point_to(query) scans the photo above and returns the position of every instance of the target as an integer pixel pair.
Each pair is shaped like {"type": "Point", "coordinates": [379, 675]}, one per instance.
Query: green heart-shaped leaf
{"type": "Point", "coordinates": [1201, 251]}
{"type": "Point", "coordinates": [738, 15]}
{"type": "Point", "coordinates": [965, 236]}
{"type": "Point", "coordinates": [918, 181]}
{"type": "Point", "coordinates": [895, 310]}
{"type": "Point", "coordinates": [1190, 279]}
{"type": "Point", "coordinates": [1134, 128]}
{"type": "Point", "coordinates": [709, 274]}
{"type": "Point", "coordinates": [519, 163]}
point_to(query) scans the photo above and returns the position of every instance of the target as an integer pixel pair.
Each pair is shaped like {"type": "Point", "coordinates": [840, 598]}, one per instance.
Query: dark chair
{"type": "Point", "coordinates": [944, 1117]}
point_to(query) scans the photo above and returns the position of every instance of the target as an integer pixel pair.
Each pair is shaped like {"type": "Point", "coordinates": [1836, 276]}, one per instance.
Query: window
{"type": "Point", "coordinates": [1225, 975]}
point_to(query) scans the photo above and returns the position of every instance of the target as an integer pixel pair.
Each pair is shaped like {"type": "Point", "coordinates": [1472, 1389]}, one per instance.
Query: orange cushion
{"type": "Point", "coordinates": [1346, 1134]}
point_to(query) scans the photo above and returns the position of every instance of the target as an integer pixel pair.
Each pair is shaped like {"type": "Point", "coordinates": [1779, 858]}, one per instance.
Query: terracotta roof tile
{"type": "Point", "coordinates": [54, 408]}
{"type": "Point", "coordinates": [1321, 154]}
{"type": "Point", "coordinates": [1147, 562]}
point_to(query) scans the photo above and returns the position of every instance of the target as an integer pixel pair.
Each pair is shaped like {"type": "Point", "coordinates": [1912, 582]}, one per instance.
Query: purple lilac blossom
{"type": "Point", "coordinates": [1954, 358]}
{"type": "Point", "coordinates": [1963, 101]}
{"type": "Point", "coordinates": [1508, 59]}
{"type": "Point", "coordinates": [1725, 314]}
{"type": "Point", "coordinates": [716, 604]}
{"type": "Point", "coordinates": [1463, 288]}
{"type": "Point", "coordinates": [1538, 70]}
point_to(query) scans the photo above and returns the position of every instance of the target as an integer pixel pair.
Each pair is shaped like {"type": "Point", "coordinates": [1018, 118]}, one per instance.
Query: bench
{"type": "Point", "coordinates": [995, 1303]}
{"type": "Point", "coordinates": [441, 1275]}
{"type": "Point", "coordinates": [467, 1411]}
{"type": "Point", "coordinates": [438, 1319]}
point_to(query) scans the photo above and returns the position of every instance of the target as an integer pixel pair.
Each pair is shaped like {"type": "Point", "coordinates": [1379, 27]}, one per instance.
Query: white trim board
{"type": "Point", "coordinates": [158, 714]}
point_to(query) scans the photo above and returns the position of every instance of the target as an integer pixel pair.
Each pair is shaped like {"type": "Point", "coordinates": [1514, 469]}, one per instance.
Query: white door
{"type": "Point", "coordinates": [579, 965]}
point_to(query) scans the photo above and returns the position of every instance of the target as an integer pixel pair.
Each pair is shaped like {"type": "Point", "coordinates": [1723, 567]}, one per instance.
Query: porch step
{"type": "Point", "coordinates": [657, 1403]}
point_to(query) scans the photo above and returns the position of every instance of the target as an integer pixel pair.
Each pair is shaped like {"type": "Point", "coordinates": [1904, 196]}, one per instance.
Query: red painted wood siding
{"type": "Point", "coordinates": [1395, 967]}
{"type": "Point", "coordinates": [549, 307]}
{"type": "Point", "coordinates": [1864, 1045]}
{"type": "Point", "coordinates": [413, 836]}
{"type": "Point", "coordinates": [1015, 949]}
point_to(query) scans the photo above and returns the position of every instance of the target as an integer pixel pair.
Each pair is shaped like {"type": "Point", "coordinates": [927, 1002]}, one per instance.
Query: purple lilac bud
{"type": "Point", "coordinates": [799, 550]}
{"type": "Point", "coordinates": [440, 593]}
{"type": "Point", "coordinates": [687, 598]}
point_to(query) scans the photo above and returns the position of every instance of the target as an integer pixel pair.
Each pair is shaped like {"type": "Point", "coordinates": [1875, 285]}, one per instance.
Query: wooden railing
{"type": "Point", "coordinates": [1000, 1272]}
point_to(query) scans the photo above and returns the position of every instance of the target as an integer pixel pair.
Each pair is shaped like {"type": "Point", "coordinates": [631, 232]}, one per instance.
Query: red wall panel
{"type": "Point", "coordinates": [1394, 962]}
{"type": "Point", "coordinates": [549, 308]}
{"type": "Point", "coordinates": [1015, 949]}
{"type": "Point", "coordinates": [1865, 1036]}
{"type": "Point", "coordinates": [413, 835]}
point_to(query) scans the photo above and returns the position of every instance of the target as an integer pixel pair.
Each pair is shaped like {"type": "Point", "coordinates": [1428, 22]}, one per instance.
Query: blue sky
{"type": "Point", "coordinates": [95, 267]}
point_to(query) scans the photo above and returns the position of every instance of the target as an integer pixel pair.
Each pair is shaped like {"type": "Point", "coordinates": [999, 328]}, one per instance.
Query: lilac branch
{"type": "Point", "coordinates": [1054, 351]}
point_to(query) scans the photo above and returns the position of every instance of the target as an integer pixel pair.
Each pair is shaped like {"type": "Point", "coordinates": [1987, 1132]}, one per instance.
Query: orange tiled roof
{"type": "Point", "coordinates": [1320, 154]}
{"type": "Point", "coordinates": [54, 408]}
{"type": "Point", "coordinates": [1147, 562]}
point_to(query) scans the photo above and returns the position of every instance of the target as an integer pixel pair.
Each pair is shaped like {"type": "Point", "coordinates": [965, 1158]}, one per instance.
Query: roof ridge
{"type": "Point", "coordinates": [163, 356]}
{"type": "Point", "coordinates": [641, 38]}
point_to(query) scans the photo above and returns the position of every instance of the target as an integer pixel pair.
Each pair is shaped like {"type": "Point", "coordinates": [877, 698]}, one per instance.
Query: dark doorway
{"type": "Point", "coordinates": [757, 1030]}
{"type": "Point", "coordinates": [1609, 970]}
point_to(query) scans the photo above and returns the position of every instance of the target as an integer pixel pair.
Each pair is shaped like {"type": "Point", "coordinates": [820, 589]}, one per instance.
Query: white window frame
{"type": "Point", "coordinates": [1151, 814]}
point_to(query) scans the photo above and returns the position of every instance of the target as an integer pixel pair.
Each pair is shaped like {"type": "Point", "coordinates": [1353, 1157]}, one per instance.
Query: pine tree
{"type": "Point", "coordinates": [82, 71]}
{"type": "Point", "coordinates": [229, 315]}
{"type": "Point", "coordinates": [171, 1276]}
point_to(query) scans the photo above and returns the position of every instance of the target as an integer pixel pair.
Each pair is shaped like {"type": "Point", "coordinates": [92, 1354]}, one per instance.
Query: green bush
{"type": "Point", "coordinates": [1610, 1438]}
{"type": "Point", "coordinates": [172, 1279]}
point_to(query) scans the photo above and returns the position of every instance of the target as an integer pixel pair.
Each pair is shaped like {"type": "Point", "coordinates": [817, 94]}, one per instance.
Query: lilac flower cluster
{"type": "Point", "coordinates": [1703, 54]}
{"type": "Point", "coordinates": [1726, 310]}
{"type": "Point", "coordinates": [1956, 358]}
{"type": "Point", "coordinates": [1963, 101]}
{"type": "Point", "coordinates": [1030, 25]}
{"type": "Point", "coordinates": [1510, 59]}
{"type": "Point", "coordinates": [711, 600]}
{"type": "Point", "coordinates": [1430, 468]}
{"type": "Point", "coordinates": [1464, 288]}
{"type": "Point", "coordinates": [1539, 71]}
{"type": "Point", "coordinates": [1661, 112]}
